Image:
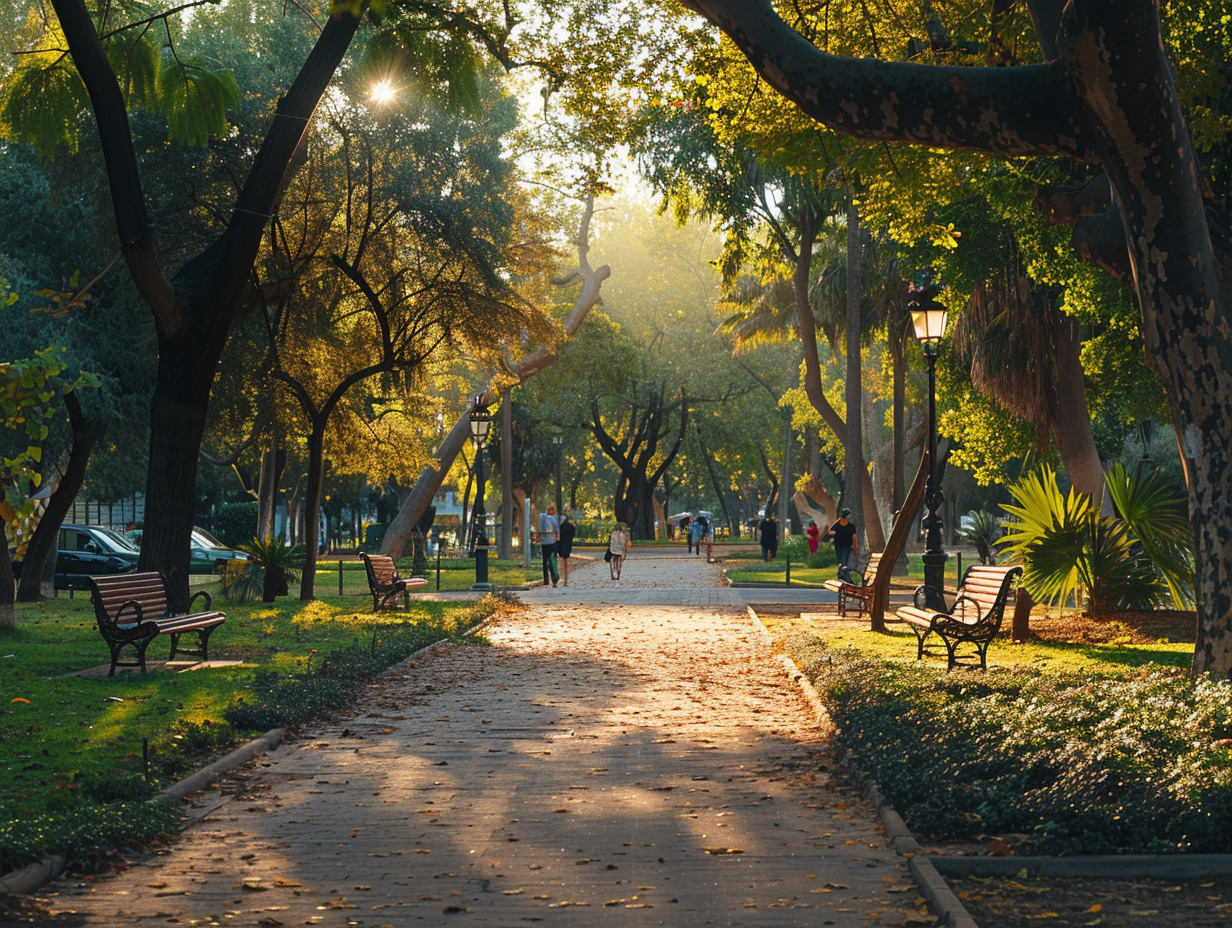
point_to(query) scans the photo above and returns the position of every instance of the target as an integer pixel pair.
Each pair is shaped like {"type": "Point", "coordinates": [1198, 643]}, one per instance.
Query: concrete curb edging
{"type": "Point", "coordinates": [1100, 866]}
{"type": "Point", "coordinates": [931, 883]}
{"type": "Point", "coordinates": [31, 877]}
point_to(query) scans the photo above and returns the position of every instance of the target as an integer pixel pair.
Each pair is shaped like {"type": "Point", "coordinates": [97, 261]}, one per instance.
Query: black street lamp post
{"type": "Point", "coordinates": [929, 318]}
{"type": "Point", "coordinates": [481, 424]}
{"type": "Point", "coordinates": [557, 441]}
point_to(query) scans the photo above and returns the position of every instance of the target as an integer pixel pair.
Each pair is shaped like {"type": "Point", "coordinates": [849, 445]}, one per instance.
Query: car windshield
{"type": "Point", "coordinates": [203, 539]}
{"type": "Point", "coordinates": [115, 541]}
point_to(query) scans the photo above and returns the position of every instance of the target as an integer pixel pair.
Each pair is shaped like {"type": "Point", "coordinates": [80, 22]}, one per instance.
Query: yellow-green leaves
{"type": "Point", "coordinates": [195, 99]}
{"type": "Point", "coordinates": [42, 103]}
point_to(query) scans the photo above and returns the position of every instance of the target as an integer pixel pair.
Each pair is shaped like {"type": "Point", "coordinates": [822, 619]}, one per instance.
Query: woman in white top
{"type": "Point", "coordinates": [618, 544]}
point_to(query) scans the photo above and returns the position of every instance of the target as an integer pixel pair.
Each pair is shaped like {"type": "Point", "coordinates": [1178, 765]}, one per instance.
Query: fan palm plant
{"type": "Point", "coordinates": [1069, 550]}
{"type": "Point", "coordinates": [272, 565]}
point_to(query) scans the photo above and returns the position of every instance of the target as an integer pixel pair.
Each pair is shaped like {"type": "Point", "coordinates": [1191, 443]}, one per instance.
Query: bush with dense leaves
{"type": "Point", "coordinates": [1138, 763]}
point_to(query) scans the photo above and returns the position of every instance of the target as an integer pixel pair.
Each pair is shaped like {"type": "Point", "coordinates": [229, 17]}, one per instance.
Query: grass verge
{"type": "Point", "coordinates": [82, 755]}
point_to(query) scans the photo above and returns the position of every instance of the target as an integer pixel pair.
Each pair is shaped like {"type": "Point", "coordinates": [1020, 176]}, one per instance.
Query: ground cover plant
{"type": "Point", "coordinates": [80, 755]}
{"type": "Point", "coordinates": [1125, 760]}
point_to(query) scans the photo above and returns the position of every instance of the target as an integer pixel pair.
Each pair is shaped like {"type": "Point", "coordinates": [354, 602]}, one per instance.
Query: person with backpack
{"type": "Point", "coordinates": [549, 526]}
{"type": "Point", "coordinates": [564, 545]}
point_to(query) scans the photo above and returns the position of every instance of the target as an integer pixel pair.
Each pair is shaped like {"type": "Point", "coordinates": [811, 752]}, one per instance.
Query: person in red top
{"type": "Point", "coordinates": [814, 536]}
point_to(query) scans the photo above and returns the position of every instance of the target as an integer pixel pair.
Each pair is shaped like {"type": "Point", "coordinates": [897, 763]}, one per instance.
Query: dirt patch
{"type": "Point", "coordinates": [1061, 903]}
{"type": "Point", "coordinates": [1162, 625]}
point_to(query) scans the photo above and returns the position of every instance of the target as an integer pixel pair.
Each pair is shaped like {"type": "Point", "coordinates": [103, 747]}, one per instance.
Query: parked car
{"type": "Point", "coordinates": [89, 550]}
{"type": "Point", "coordinates": [206, 554]}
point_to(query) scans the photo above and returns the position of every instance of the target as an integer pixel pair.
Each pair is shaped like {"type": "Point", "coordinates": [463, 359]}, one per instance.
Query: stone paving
{"type": "Point", "coordinates": [601, 762]}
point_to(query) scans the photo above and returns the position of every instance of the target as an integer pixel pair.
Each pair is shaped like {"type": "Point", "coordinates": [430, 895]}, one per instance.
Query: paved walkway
{"type": "Point", "coordinates": [599, 763]}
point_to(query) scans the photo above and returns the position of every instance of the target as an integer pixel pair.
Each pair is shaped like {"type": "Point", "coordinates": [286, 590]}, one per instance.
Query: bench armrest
{"type": "Point", "coordinates": [201, 594]}
{"type": "Point", "coordinates": [957, 608]}
{"type": "Point", "coordinates": [930, 598]}
{"type": "Point", "coordinates": [131, 605]}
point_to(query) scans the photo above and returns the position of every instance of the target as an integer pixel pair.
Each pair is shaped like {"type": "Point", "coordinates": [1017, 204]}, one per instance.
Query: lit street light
{"type": "Point", "coordinates": [929, 318]}
{"type": "Point", "coordinates": [481, 424]}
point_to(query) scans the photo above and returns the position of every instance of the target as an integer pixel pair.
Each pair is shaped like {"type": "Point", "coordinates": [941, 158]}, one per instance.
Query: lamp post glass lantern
{"type": "Point", "coordinates": [929, 318]}
{"type": "Point", "coordinates": [481, 425]}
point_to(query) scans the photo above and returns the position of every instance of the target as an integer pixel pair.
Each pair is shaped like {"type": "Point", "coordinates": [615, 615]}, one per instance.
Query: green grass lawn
{"type": "Point", "coordinates": [899, 644]}
{"type": "Point", "coordinates": [71, 745]}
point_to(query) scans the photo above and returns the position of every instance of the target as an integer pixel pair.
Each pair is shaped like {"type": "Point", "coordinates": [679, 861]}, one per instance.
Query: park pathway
{"type": "Point", "coordinates": [600, 763]}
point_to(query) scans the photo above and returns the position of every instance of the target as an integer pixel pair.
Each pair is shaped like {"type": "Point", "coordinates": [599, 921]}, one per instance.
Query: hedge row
{"type": "Point", "coordinates": [1136, 763]}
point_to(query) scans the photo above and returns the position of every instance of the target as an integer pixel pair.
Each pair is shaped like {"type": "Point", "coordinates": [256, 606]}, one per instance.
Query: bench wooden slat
{"type": "Point", "coordinates": [861, 594]}
{"type": "Point", "coordinates": [131, 610]}
{"type": "Point", "coordinates": [973, 618]}
{"type": "Point", "coordinates": [384, 583]}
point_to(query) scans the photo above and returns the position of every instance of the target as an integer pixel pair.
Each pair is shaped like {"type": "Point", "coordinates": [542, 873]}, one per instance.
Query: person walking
{"type": "Point", "coordinates": [697, 531]}
{"type": "Point", "coordinates": [564, 545]}
{"type": "Point", "coordinates": [768, 531]}
{"type": "Point", "coordinates": [686, 525]}
{"type": "Point", "coordinates": [617, 546]}
{"type": "Point", "coordinates": [846, 541]}
{"type": "Point", "coordinates": [549, 526]}
{"type": "Point", "coordinates": [814, 536]}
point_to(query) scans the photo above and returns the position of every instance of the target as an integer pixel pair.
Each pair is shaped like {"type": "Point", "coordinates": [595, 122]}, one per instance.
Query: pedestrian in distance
{"type": "Point", "coordinates": [846, 542]}
{"type": "Point", "coordinates": [814, 536]}
{"type": "Point", "coordinates": [685, 524]}
{"type": "Point", "coordinates": [564, 545]}
{"type": "Point", "coordinates": [617, 546]}
{"type": "Point", "coordinates": [768, 534]}
{"type": "Point", "coordinates": [697, 531]}
{"type": "Point", "coordinates": [549, 526]}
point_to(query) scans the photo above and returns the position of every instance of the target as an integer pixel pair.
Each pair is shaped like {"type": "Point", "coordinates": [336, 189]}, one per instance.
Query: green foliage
{"type": "Point", "coordinates": [41, 105]}
{"type": "Point", "coordinates": [1069, 550]}
{"type": "Point", "coordinates": [233, 522]}
{"type": "Point", "coordinates": [1159, 520]}
{"type": "Point", "coordinates": [1135, 763]}
{"type": "Point", "coordinates": [194, 99]}
{"type": "Point", "coordinates": [984, 532]}
{"type": "Point", "coordinates": [71, 758]}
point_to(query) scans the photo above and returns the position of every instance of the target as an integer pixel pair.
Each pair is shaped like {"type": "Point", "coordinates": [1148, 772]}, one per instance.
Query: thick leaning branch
{"type": "Point", "coordinates": [1019, 111]}
{"type": "Point", "coordinates": [398, 535]}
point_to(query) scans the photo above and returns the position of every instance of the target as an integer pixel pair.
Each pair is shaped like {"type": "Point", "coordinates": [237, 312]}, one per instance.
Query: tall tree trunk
{"type": "Point", "coordinates": [273, 462]}
{"type": "Point", "coordinates": [43, 544]}
{"type": "Point", "coordinates": [504, 546]}
{"type": "Point", "coordinates": [312, 507]}
{"type": "Point", "coordinates": [854, 469]}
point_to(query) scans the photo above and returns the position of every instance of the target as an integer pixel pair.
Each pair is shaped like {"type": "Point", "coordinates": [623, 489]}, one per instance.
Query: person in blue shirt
{"type": "Point", "coordinates": [549, 529]}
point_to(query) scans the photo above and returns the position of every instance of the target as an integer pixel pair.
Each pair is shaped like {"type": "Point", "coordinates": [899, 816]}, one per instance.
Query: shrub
{"type": "Point", "coordinates": [235, 523]}
{"type": "Point", "coordinates": [1138, 763]}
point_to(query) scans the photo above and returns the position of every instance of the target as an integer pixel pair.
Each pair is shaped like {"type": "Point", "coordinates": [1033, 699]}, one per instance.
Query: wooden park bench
{"type": "Point", "coordinates": [974, 617]}
{"type": "Point", "coordinates": [860, 594]}
{"type": "Point", "coordinates": [131, 611]}
{"type": "Point", "coordinates": [385, 584]}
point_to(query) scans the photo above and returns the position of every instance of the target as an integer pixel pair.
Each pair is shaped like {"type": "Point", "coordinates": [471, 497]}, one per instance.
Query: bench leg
{"type": "Point", "coordinates": [919, 637]}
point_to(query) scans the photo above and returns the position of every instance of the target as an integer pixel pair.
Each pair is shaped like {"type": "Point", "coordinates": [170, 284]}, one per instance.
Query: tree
{"type": "Point", "coordinates": [1105, 93]}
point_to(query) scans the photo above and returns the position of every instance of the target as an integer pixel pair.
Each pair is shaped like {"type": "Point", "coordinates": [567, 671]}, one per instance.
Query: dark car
{"type": "Point", "coordinates": [206, 555]}
{"type": "Point", "coordinates": [89, 550]}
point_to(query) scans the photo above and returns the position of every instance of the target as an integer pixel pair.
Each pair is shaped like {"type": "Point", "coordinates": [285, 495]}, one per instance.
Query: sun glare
{"type": "Point", "coordinates": [382, 92]}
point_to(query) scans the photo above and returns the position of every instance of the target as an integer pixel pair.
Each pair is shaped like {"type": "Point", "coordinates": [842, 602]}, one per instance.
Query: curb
{"type": "Point", "coordinates": [1102, 866]}
{"type": "Point", "coordinates": [31, 877]}
{"type": "Point", "coordinates": [932, 884]}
